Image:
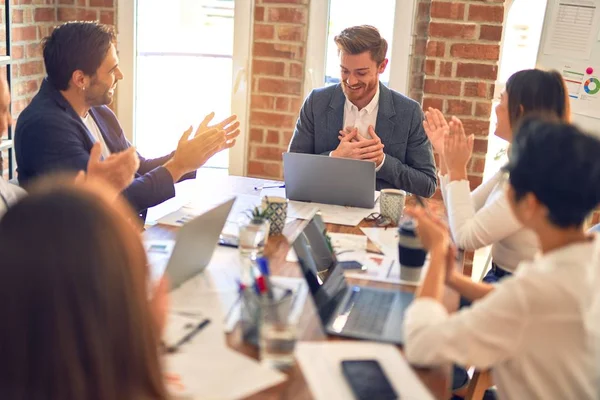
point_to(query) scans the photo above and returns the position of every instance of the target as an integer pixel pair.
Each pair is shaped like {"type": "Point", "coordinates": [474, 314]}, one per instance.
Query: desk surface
{"type": "Point", "coordinates": [216, 185]}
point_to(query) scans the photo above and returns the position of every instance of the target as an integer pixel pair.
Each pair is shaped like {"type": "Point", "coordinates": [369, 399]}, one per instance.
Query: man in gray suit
{"type": "Point", "coordinates": [361, 118]}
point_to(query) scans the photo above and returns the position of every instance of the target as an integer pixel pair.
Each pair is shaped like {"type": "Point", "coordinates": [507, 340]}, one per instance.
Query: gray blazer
{"type": "Point", "coordinates": [409, 163]}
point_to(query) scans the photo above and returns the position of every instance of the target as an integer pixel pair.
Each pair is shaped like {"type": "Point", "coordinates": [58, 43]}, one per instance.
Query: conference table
{"type": "Point", "coordinates": [211, 185]}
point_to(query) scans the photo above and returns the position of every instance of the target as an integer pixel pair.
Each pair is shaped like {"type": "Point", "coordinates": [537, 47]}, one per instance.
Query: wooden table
{"type": "Point", "coordinates": [309, 327]}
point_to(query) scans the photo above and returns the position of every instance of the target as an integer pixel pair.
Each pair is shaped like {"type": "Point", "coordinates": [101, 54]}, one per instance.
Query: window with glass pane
{"type": "Point", "coordinates": [183, 70]}
{"type": "Point", "coordinates": [519, 51]}
{"type": "Point", "coordinates": [347, 13]}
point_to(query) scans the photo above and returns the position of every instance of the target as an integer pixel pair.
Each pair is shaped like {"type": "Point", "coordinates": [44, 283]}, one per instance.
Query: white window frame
{"type": "Point", "coordinates": [240, 96]}
{"type": "Point", "coordinates": [402, 45]}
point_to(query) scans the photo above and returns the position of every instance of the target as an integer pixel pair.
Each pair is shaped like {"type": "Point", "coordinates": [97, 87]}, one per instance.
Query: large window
{"type": "Point", "coordinates": [342, 14]}
{"type": "Point", "coordinates": [520, 43]}
{"type": "Point", "coordinates": [187, 54]}
{"type": "Point", "coordinates": [393, 18]}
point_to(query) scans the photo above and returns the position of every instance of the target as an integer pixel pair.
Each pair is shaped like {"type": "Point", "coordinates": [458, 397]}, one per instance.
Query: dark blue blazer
{"type": "Point", "coordinates": [409, 163]}
{"type": "Point", "coordinates": [50, 136]}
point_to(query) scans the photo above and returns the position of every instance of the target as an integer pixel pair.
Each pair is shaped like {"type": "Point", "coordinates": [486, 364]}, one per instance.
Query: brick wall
{"type": "Point", "coordinates": [461, 67]}
{"type": "Point", "coordinates": [420, 36]}
{"type": "Point", "coordinates": [32, 20]}
{"type": "Point", "coordinates": [278, 55]}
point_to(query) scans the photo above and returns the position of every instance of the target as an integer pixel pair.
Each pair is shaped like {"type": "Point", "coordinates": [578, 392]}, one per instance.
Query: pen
{"type": "Point", "coordinates": [188, 337]}
{"type": "Point", "coordinates": [263, 266]}
{"type": "Point", "coordinates": [268, 187]}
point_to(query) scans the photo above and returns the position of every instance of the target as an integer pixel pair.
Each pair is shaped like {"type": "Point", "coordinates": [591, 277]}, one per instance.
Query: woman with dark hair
{"type": "Point", "coordinates": [78, 322]}
{"type": "Point", "coordinates": [483, 217]}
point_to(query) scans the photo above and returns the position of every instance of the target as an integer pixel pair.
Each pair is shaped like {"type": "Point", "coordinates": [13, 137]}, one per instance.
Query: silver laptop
{"type": "Point", "coordinates": [344, 310]}
{"type": "Point", "coordinates": [329, 180]}
{"type": "Point", "coordinates": [193, 247]}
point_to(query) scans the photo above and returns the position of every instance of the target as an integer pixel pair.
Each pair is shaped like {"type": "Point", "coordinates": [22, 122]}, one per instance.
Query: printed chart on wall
{"type": "Point", "coordinates": [573, 29]}
{"type": "Point", "coordinates": [584, 89]}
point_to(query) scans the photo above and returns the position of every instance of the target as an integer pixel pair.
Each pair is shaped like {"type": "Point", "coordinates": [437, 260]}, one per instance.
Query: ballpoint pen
{"type": "Point", "coordinates": [269, 187]}
{"type": "Point", "coordinates": [188, 337]}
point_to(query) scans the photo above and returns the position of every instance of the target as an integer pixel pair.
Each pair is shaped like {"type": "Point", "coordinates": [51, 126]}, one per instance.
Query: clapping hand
{"type": "Point", "coordinates": [354, 145]}
{"type": "Point", "coordinates": [436, 128]}
{"type": "Point", "coordinates": [118, 169]}
{"type": "Point", "coordinates": [195, 150]}
{"type": "Point", "coordinates": [458, 148]}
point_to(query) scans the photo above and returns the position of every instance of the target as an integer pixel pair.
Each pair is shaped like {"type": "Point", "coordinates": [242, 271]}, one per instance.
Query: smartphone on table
{"type": "Point", "coordinates": [367, 380]}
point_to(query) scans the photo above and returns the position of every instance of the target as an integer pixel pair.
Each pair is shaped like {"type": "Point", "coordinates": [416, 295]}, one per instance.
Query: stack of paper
{"type": "Point", "coordinates": [321, 366]}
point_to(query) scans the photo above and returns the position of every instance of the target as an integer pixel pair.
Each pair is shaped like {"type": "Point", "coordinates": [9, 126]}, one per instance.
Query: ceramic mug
{"type": "Point", "coordinates": [391, 204]}
{"type": "Point", "coordinates": [278, 212]}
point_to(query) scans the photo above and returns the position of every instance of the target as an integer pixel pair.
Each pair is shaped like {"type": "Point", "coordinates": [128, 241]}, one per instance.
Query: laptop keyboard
{"type": "Point", "coordinates": [370, 311]}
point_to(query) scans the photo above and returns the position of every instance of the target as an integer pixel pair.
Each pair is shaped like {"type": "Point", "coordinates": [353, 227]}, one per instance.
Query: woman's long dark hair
{"type": "Point", "coordinates": [74, 304]}
{"type": "Point", "coordinates": [535, 90]}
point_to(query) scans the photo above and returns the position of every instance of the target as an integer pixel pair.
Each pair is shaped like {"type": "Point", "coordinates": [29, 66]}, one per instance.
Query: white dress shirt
{"type": "Point", "coordinates": [484, 218]}
{"type": "Point", "coordinates": [95, 131]}
{"type": "Point", "coordinates": [9, 194]}
{"type": "Point", "coordinates": [362, 119]}
{"type": "Point", "coordinates": [539, 331]}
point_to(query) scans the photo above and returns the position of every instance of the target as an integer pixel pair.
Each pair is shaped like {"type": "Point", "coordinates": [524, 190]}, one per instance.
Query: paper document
{"type": "Point", "coordinates": [384, 238]}
{"type": "Point", "coordinates": [573, 28]}
{"type": "Point", "coordinates": [212, 372]}
{"type": "Point", "coordinates": [332, 214]}
{"type": "Point", "coordinates": [179, 325]}
{"type": "Point", "coordinates": [321, 364]}
{"type": "Point", "coordinates": [380, 269]}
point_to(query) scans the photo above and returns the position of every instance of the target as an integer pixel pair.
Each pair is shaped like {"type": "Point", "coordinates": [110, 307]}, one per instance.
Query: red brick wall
{"type": "Point", "coordinates": [461, 67]}
{"type": "Point", "coordinates": [278, 55]}
{"type": "Point", "coordinates": [417, 66]}
{"type": "Point", "coordinates": [32, 20]}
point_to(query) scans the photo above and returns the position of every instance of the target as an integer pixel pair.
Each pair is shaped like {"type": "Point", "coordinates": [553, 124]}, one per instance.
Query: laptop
{"type": "Point", "coordinates": [329, 180]}
{"type": "Point", "coordinates": [344, 310]}
{"type": "Point", "coordinates": [193, 247]}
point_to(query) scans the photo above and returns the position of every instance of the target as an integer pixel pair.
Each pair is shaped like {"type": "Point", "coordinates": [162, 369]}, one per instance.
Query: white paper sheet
{"type": "Point", "coordinates": [385, 239]}
{"type": "Point", "coordinates": [208, 372]}
{"type": "Point", "coordinates": [339, 215]}
{"type": "Point", "coordinates": [572, 29]}
{"type": "Point", "coordinates": [321, 366]}
{"type": "Point", "coordinates": [243, 203]}
{"type": "Point", "coordinates": [179, 325]}
{"type": "Point", "coordinates": [380, 269]}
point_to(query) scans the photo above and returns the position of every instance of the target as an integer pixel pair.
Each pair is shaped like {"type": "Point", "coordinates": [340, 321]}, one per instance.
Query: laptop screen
{"type": "Point", "coordinates": [325, 278]}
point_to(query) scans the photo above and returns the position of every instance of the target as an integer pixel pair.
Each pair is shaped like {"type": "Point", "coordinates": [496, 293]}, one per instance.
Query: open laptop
{"type": "Point", "coordinates": [193, 247]}
{"type": "Point", "coordinates": [344, 310]}
{"type": "Point", "coordinates": [329, 180]}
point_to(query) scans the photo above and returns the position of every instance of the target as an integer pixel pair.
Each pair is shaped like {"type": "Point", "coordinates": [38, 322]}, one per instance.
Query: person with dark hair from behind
{"type": "Point", "coordinates": [69, 114]}
{"type": "Point", "coordinates": [75, 301]}
{"type": "Point", "coordinates": [361, 118]}
{"type": "Point", "coordinates": [538, 331]}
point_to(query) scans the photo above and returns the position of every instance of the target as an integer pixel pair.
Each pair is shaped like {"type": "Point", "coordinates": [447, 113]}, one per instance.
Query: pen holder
{"type": "Point", "coordinates": [259, 309]}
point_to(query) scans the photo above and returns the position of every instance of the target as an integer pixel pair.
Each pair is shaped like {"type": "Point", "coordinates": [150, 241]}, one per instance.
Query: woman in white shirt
{"type": "Point", "coordinates": [538, 331]}
{"type": "Point", "coordinates": [483, 217]}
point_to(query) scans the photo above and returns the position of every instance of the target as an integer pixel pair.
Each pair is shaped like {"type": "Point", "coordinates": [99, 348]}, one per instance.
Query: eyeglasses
{"type": "Point", "coordinates": [379, 219]}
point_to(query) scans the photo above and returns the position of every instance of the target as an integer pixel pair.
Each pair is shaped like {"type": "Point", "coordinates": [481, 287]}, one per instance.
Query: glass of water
{"type": "Point", "coordinates": [253, 237]}
{"type": "Point", "coordinates": [277, 334]}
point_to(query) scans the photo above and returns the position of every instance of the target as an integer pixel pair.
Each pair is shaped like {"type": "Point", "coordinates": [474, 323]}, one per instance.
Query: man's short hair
{"type": "Point", "coordinates": [358, 39]}
{"type": "Point", "coordinates": [560, 165]}
{"type": "Point", "coordinates": [75, 46]}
